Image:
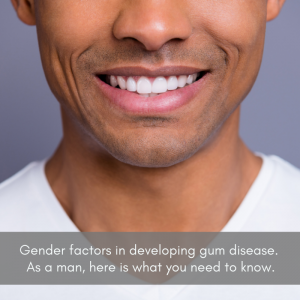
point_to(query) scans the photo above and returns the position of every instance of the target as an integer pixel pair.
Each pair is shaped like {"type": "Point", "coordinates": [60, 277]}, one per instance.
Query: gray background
{"type": "Point", "coordinates": [30, 126]}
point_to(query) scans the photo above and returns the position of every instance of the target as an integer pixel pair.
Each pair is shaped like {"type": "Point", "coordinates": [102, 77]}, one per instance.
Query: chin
{"type": "Point", "coordinates": [158, 153]}
{"type": "Point", "coordinates": [152, 159]}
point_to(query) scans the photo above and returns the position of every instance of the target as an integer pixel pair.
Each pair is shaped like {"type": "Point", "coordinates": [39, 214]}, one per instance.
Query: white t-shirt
{"type": "Point", "coordinates": [27, 203]}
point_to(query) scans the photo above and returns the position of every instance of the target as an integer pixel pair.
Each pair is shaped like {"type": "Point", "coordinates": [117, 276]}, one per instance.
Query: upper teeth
{"type": "Point", "coordinates": [151, 87]}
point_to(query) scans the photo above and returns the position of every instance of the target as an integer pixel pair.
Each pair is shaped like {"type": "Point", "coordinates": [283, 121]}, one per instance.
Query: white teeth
{"type": "Point", "coordinates": [144, 85]}
{"type": "Point", "coordinates": [113, 81]}
{"type": "Point", "coordinates": [131, 84]}
{"type": "Point", "coordinates": [190, 79]}
{"type": "Point", "coordinates": [182, 80]}
{"type": "Point", "coordinates": [172, 83]}
{"type": "Point", "coordinates": [121, 82]}
{"type": "Point", "coordinates": [159, 85]}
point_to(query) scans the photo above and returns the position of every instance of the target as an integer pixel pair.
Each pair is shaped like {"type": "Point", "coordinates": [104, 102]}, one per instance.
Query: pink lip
{"type": "Point", "coordinates": [167, 102]}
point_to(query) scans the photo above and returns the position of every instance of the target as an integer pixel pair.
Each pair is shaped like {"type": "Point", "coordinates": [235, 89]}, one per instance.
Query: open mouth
{"type": "Point", "coordinates": [151, 86]}
{"type": "Point", "coordinates": [161, 92]}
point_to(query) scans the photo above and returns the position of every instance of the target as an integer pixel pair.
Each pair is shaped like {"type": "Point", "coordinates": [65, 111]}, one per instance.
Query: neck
{"type": "Point", "coordinates": [100, 193]}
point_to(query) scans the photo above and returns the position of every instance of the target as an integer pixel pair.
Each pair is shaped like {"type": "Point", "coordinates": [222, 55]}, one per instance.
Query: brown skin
{"type": "Point", "coordinates": [186, 170]}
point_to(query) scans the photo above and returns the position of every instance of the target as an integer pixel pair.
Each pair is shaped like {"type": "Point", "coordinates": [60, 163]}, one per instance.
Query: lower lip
{"type": "Point", "coordinates": [167, 102]}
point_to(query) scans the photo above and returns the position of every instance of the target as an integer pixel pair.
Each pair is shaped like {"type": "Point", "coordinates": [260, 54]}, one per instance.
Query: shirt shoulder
{"type": "Point", "coordinates": [279, 207]}
{"type": "Point", "coordinates": [284, 188]}
{"type": "Point", "coordinates": [20, 181]}
{"type": "Point", "coordinates": [28, 204]}
{"type": "Point", "coordinates": [19, 204]}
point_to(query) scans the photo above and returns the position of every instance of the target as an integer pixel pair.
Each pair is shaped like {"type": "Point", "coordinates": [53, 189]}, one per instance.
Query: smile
{"type": "Point", "coordinates": [151, 86]}
{"type": "Point", "coordinates": [141, 94]}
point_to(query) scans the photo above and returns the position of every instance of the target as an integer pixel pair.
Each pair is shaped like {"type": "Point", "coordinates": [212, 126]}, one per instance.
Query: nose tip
{"type": "Point", "coordinates": [152, 23]}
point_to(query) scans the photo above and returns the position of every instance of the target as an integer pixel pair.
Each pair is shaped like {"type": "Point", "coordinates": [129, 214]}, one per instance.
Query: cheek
{"type": "Point", "coordinates": [238, 23]}
{"type": "Point", "coordinates": [237, 27]}
{"type": "Point", "coordinates": [66, 29]}
{"type": "Point", "coordinates": [74, 25]}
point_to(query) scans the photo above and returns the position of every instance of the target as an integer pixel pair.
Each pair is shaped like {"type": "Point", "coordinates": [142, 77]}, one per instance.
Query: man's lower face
{"type": "Point", "coordinates": [151, 89]}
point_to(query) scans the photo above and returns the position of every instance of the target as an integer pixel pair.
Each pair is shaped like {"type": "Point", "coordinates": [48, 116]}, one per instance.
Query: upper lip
{"type": "Point", "coordinates": [152, 72]}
